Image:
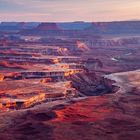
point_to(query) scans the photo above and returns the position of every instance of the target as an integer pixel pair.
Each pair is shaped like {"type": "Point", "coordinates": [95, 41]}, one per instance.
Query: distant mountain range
{"type": "Point", "coordinates": [119, 27]}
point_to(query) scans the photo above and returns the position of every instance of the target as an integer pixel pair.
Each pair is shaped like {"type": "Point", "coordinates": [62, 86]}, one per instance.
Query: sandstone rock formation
{"type": "Point", "coordinates": [108, 117]}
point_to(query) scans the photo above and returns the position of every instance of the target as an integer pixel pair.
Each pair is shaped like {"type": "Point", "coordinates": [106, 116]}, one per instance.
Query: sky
{"type": "Point", "coordinates": [69, 10]}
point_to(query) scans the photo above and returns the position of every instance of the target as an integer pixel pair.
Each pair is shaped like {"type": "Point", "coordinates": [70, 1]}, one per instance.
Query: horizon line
{"type": "Point", "coordinates": [72, 21]}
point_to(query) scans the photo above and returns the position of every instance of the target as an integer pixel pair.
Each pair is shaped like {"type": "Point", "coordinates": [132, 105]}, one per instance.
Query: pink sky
{"type": "Point", "coordinates": [69, 10]}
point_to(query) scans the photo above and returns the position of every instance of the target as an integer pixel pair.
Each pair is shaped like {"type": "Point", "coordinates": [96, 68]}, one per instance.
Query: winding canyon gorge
{"type": "Point", "coordinates": [70, 81]}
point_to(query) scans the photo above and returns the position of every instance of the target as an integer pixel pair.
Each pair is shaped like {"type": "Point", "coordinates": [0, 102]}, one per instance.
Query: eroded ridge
{"type": "Point", "coordinates": [111, 116]}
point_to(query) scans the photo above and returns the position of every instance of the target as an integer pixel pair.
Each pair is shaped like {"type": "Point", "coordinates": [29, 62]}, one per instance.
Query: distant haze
{"type": "Point", "coordinates": [69, 10]}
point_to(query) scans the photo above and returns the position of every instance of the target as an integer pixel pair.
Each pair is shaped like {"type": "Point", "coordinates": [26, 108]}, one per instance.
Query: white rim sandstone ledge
{"type": "Point", "coordinates": [124, 80]}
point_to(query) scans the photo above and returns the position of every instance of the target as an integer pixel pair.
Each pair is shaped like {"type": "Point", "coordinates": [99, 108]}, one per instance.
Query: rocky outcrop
{"type": "Point", "coordinates": [94, 118]}
{"type": "Point", "coordinates": [47, 26]}
{"type": "Point", "coordinates": [1, 77]}
{"type": "Point", "coordinates": [125, 27]}
{"type": "Point", "coordinates": [91, 84]}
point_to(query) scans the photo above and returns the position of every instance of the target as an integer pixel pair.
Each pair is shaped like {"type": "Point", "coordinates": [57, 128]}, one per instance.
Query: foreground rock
{"type": "Point", "coordinates": [108, 117]}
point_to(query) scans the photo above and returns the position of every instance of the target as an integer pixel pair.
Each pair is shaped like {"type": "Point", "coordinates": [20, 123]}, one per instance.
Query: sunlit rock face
{"type": "Point", "coordinates": [1, 77]}
{"type": "Point", "coordinates": [111, 116]}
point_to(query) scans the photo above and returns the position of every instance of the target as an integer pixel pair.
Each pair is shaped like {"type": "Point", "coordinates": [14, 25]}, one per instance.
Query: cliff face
{"type": "Point", "coordinates": [112, 27]}
{"type": "Point", "coordinates": [91, 84]}
{"type": "Point", "coordinates": [47, 26]}
{"type": "Point", "coordinates": [108, 117]}
{"type": "Point", "coordinates": [1, 77]}
{"type": "Point", "coordinates": [88, 29]}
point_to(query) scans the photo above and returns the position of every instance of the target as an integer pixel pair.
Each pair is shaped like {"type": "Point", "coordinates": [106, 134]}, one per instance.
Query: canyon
{"type": "Point", "coordinates": [111, 116]}
{"type": "Point", "coordinates": [69, 81]}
